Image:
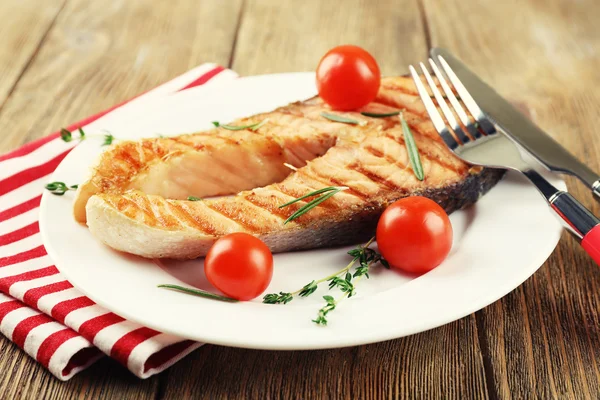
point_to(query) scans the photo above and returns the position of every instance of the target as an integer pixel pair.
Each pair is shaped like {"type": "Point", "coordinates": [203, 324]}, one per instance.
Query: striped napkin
{"type": "Point", "coordinates": [40, 311]}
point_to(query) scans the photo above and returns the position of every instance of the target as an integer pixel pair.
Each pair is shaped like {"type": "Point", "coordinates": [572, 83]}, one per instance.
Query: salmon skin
{"type": "Point", "coordinates": [135, 200]}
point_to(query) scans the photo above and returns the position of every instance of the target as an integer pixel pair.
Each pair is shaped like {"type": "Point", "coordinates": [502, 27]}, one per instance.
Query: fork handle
{"type": "Point", "coordinates": [580, 221]}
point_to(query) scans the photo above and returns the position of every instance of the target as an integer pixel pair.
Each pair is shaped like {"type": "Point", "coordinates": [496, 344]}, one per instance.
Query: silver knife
{"type": "Point", "coordinates": [520, 128]}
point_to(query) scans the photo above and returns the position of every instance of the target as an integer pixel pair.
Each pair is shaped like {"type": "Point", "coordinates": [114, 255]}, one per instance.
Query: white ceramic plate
{"type": "Point", "coordinates": [499, 243]}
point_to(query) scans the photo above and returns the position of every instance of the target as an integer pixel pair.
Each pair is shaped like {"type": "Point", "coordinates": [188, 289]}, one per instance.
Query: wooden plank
{"type": "Point", "coordinates": [96, 55]}
{"type": "Point", "coordinates": [442, 363]}
{"type": "Point", "coordinates": [279, 38]}
{"type": "Point", "coordinates": [542, 339]}
{"type": "Point", "coordinates": [23, 29]}
{"type": "Point", "coordinates": [101, 53]}
{"type": "Point", "coordinates": [445, 362]}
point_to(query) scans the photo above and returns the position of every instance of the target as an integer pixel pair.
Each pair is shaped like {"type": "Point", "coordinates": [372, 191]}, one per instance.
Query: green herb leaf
{"type": "Point", "coordinates": [313, 203]}
{"type": "Point", "coordinates": [322, 315]}
{"type": "Point", "coordinates": [65, 135]}
{"type": "Point", "coordinates": [198, 292]}
{"type": "Point", "coordinates": [252, 127]}
{"type": "Point", "coordinates": [308, 289]}
{"type": "Point", "coordinates": [413, 151]}
{"type": "Point", "coordinates": [59, 188]}
{"type": "Point", "coordinates": [311, 194]}
{"type": "Point", "coordinates": [340, 118]}
{"type": "Point", "coordinates": [382, 115]}
{"type": "Point", "coordinates": [281, 298]}
{"type": "Point", "coordinates": [81, 133]}
{"type": "Point", "coordinates": [108, 139]}
{"type": "Point", "coordinates": [193, 198]}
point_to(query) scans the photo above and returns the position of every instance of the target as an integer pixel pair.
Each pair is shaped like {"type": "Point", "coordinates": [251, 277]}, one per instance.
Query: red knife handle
{"type": "Point", "coordinates": [580, 221]}
{"type": "Point", "coordinates": [591, 243]}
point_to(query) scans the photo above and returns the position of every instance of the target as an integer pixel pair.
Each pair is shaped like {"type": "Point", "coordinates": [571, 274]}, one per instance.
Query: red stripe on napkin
{"type": "Point", "coordinates": [26, 255]}
{"type": "Point", "coordinates": [32, 296]}
{"type": "Point", "coordinates": [60, 325]}
{"type": "Point", "coordinates": [90, 328]}
{"type": "Point", "coordinates": [61, 310]}
{"type": "Point", "coordinates": [25, 326]}
{"type": "Point", "coordinates": [19, 234]}
{"type": "Point", "coordinates": [20, 208]}
{"type": "Point", "coordinates": [52, 343]}
{"type": "Point", "coordinates": [22, 178]}
{"type": "Point", "coordinates": [124, 346]}
{"type": "Point", "coordinates": [9, 306]}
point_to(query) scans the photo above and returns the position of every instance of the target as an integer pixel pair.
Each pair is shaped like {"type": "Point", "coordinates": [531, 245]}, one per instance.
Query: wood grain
{"type": "Point", "coordinates": [23, 30]}
{"type": "Point", "coordinates": [439, 361]}
{"type": "Point", "coordinates": [298, 36]}
{"type": "Point", "coordinates": [101, 53]}
{"type": "Point", "coordinates": [59, 63]}
{"type": "Point", "coordinates": [543, 339]}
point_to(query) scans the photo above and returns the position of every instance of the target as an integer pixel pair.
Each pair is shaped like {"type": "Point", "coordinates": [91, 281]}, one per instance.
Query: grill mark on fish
{"type": "Point", "coordinates": [271, 210]}
{"type": "Point", "coordinates": [181, 211]}
{"type": "Point", "coordinates": [223, 209]}
{"type": "Point", "coordinates": [283, 213]}
{"type": "Point", "coordinates": [423, 153]}
{"type": "Point", "coordinates": [394, 87]}
{"type": "Point", "coordinates": [379, 180]}
{"type": "Point", "coordinates": [377, 153]}
{"type": "Point", "coordinates": [331, 181]}
{"type": "Point", "coordinates": [164, 218]}
{"type": "Point", "coordinates": [230, 140]}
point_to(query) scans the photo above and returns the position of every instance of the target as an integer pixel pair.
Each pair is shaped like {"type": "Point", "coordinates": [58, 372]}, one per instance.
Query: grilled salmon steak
{"type": "Point", "coordinates": [135, 200]}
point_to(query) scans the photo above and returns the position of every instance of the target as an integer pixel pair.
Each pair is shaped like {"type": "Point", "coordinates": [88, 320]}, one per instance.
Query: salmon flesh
{"type": "Point", "coordinates": [135, 200]}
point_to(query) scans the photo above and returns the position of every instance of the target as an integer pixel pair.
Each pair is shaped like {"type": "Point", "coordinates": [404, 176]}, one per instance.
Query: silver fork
{"type": "Point", "coordinates": [476, 140]}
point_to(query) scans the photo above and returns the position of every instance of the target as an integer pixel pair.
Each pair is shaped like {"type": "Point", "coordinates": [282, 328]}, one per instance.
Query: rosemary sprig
{"type": "Point", "coordinates": [325, 193]}
{"type": "Point", "coordinates": [252, 127]}
{"type": "Point", "coordinates": [342, 280]}
{"type": "Point", "coordinates": [194, 198]}
{"type": "Point", "coordinates": [67, 136]}
{"type": "Point", "coordinates": [198, 292]}
{"type": "Point", "coordinates": [60, 188]}
{"type": "Point", "coordinates": [413, 151]}
{"type": "Point", "coordinates": [382, 115]}
{"type": "Point", "coordinates": [340, 118]}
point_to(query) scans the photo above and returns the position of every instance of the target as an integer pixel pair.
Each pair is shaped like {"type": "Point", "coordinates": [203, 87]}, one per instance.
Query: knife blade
{"type": "Point", "coordinates": [520, 128]}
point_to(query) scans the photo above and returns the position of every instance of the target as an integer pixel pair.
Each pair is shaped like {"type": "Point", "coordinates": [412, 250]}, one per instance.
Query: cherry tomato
{"type": "Point", "coordinates": [348, 78]}
{"type": "Point", "coordinates": [414, 234]}
{"type": "Point", "coordinates": [239, 265]}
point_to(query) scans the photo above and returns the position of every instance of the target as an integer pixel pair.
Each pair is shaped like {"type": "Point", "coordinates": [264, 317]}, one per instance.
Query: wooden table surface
{"type": "Point", "coordinates": [62, 60]}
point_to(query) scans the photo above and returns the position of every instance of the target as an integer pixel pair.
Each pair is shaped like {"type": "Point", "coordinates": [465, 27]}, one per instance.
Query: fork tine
{"type": "Point", "coordinates": [464, 118]}
{"type": "Point", "coordinates": [445, 109]}
{"type": "Point", "coordinates": [436, 118]}
{"type": "Point", "coordinates": [469, 102]}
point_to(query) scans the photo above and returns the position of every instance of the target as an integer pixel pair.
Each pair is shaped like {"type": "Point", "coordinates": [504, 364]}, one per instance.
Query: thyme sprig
{"type": "Point", "coordinates": [60, 188]}
{"type": "Point", "coordinates": [343, 280]}
{"type": "Point", "coordinates": [325, 193]}
{"type": "Point", "coordinates": [67, 136]}
{"type": "Point", "coordinates": [252, 127]}
{"type": "Point", "coordinates": [194, 198]}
